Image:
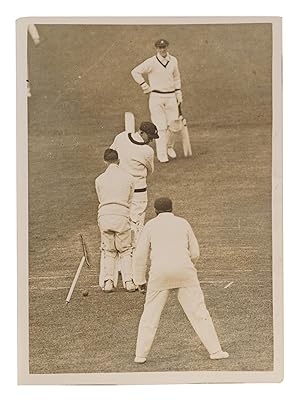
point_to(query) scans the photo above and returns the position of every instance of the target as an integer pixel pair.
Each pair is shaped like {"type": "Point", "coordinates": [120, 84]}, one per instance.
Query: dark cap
{"type": "Point", "coordinates": [110, 155]}
{"type": "Point", "coordinates": [161, 43]}
{"type": "Point", "coordinates": [150, 129]}
{"type": "Point", "coordinates": [163, 204]}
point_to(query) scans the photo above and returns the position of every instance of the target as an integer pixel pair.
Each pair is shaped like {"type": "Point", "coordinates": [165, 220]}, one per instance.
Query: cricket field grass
{"type": "Point", "coordinates": [81, 87]}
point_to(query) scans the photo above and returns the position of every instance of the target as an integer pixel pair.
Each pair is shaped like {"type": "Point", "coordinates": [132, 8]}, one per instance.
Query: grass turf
{"type": "Point", "coordinates": [81, 88]}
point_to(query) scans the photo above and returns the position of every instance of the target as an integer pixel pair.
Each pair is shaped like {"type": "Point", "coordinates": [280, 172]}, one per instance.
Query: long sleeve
{"type": "Point", "coordinates": [140, 257]}
{"type": "Point", "coordinates": [193, 245]}
{"type": "Point", "coordinates": [138, 71]}
{"type": "Point", "coordinates": [176, 76]}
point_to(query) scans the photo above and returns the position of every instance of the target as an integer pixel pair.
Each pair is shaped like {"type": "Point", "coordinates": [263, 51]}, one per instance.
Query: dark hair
{"type": "Point", "coordinates": [111, 155]}
{"type": "Point", "coordinates": [163, 204]}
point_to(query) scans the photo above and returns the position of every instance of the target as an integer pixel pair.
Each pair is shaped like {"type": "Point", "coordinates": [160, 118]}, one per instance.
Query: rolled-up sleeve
{"type": "Point", "coordinates": [140, 257]}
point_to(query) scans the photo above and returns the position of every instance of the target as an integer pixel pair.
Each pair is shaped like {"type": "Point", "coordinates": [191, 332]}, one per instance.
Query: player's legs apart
{"type": "Point", "coordinates": [158, 117]}
{"type": "Point", "coordinates": [154, 304]}
{"type": "Point", "coordinates": [193, 304]}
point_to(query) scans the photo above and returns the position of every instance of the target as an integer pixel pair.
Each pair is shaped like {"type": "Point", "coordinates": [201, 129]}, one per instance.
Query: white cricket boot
{"type": "Point", "coordinates": [108, 286]}
{"type": "Point", "coordinates": [171, 152]}
{"type": "Point", "coordinates": [130, 286]}
{"type": "Point", "coordinates": [219, 355]}
{"type": "Point", "coordinates": [140, 360]}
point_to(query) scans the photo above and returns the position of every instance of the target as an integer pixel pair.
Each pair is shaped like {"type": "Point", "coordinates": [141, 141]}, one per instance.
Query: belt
{"type": "Point", "coordinates": [158, 91]}
{"type": "Point", "coordinates": [140, 190]}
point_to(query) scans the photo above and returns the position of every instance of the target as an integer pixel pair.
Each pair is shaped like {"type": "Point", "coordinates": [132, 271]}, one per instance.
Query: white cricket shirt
{"type": "Point", "coordinates": [173, 250]}
{"type": "Point", "coordinates": [163, 73]}
{"type": "Point", "coordinates": [114, 189]}
{"type": "Point", "coordinates": [136, 159]}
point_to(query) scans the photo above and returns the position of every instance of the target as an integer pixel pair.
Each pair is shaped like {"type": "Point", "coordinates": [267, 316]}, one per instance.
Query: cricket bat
{"type": "Point", "coordinates": [129, 122]}
{"type": "Point", "coordinates": [186, 144]}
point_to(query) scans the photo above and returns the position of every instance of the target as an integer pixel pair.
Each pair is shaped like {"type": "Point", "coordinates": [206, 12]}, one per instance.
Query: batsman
{"type": "Point", "coordinates": [164, 89]}
{"type": "Point", "coordinates": [137, 159]}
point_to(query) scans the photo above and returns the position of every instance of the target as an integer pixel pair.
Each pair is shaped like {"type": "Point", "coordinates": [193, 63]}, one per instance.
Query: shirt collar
{"type": "Point", "coordinates": [164, 60]}
{"type": "Point", "coordinates": [136, 136]}
{"type": "Point", "coordinates": [165, 213]}
{"type": "Point", "coordinates": [112, 166]}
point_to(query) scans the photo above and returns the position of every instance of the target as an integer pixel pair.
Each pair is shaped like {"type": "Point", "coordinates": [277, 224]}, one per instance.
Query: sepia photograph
{"type": "Point", "coordinates": [149, 200]}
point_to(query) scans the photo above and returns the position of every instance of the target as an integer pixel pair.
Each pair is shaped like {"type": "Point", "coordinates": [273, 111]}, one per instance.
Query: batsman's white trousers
{"type": "Point", "coordinates": [192, 302]}
{"type": "Point", "coordinates": [137, 219]}
{"type": "Point", "coordinates": [137, 215]}
{"type": "Point", "coordinates": [163, 109]}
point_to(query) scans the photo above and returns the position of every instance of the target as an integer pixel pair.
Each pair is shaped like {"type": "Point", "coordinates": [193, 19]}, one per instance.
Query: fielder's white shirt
{"type": "Point", "coordinates": [163, 73]}
{"type": "Point", "coordinates": [173, 250]}
{"type": "Point", "coordinates": [137, 160]}
{"type": "Point", "coordinates": [114, 189]}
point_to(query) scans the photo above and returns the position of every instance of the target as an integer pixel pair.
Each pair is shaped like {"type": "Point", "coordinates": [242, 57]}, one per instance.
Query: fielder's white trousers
{"type": "Point", "coordinates": [163, 109]}
{"type": "Point", "coordinates": [192, 302]}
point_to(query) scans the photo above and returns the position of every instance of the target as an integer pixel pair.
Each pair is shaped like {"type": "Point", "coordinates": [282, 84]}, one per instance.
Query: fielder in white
{"type": "Point", "coordinates": [173, 250]}
{"type": "Point", "coordinates": [165, 94]}
{"type": "Point", "coordinates": [137, 158]}
{"type": "Point", "coordinates": [115, 188]}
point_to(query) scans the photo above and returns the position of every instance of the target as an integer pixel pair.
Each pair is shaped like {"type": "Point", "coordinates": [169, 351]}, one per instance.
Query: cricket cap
{"type": "Point", "coordinates": [163, 204]}
{"type": "Point", "coordinates": [150, 129]}
{"type": "Point", "coordinates": [161, 43]}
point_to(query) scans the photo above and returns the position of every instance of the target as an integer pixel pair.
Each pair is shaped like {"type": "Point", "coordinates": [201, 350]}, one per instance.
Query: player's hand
{"type": "Point", "coordinates": [178, 96]}
{"type": "Point", "coordinates": [37, 41]}
{"type": "Point", "coordinates": [146, 88]}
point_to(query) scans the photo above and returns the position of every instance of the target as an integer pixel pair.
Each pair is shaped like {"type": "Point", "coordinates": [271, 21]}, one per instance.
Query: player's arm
{"type": "Point", "coordinates": [132, 186]}
{"type": "Point", "coordinates": [177, 83]}
{"type": "Point", "coordinates": [140, 257]}
{"type": "Point", "coordinates": [193, 245]}
{"type": "Point", "coordinates": [149, 161]}
{"type": "Point", "coordinates": [138, 72]}
{"type": "Point", "coordinates": [97, 187]}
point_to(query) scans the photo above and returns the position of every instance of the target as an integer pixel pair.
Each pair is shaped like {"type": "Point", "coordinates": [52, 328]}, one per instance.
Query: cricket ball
{"type": "Point", "coordinates": [85, 293]}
